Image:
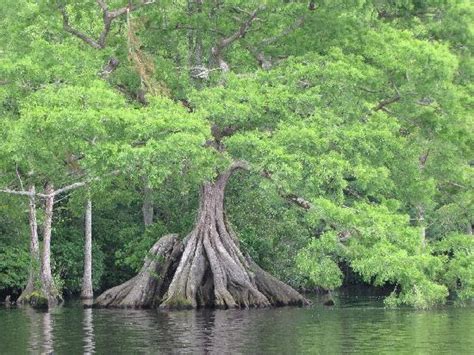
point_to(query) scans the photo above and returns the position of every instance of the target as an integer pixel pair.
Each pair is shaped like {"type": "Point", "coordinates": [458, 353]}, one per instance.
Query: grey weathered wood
{"type": "Point", "coordinates": [86, 290]}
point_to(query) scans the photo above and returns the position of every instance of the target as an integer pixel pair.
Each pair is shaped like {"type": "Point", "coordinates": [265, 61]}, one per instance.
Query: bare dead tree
{"type": "Point", "coordinates": [44, 275]}
{"type": "Point", "coordinates": [86, 289]}
{"type": "Point", "coordinates": [35, 262]}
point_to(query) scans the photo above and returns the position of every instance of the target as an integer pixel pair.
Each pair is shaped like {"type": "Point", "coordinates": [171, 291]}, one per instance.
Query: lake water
{"type": "Point", "coordinates": [355, 325]}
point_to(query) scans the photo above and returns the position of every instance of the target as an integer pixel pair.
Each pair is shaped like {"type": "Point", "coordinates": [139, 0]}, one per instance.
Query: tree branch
{"type": "Point", "coordinates": [257, 51]}
{"type": "Point", "coordinates": [110, 67]}
{"type": "Point", "coordinates": [70, 187]}
{"type": "Point", "coordinates": [239, 164]}
{"type": "Point", "coordinates": [455, 184]}
{"type": "Point", "coordinates": [343, 235]}
{"type": "Point", "coordinates": [54, 193]}
{"type": "Point", "coordinates": [423, 158]}
{"type": "Point", "coordinates": [236, 165]}
{"type": "Point", "coordinates": [386, 102]}
{"type": "Point", "coordinates": [14, 192]}
{"type": "Point", "coordinates": [75, 185]}
{"type": "Point", "coordinates": [68, 28]}
{"type": "Point", "coordinates": [79, 184]}
{"type": "Point", "coordinates": [108, 16]}
{"type": "Point", "coordinates": [299, 201]}
{"type": "Point", "coordinates": [227, 41]}
{"type": "Point", "coordinates": [19, 177]}
{"type": "Point", "coordinates": [102, 5]}
{"type": "Point", "coordinates": [285, 32]}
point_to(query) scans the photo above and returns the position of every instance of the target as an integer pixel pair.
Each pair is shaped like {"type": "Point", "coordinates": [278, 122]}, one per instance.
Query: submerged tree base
{"type": "Point", "coordinates": [207, 270]}
{"type": "Point", "coordinates": [37, 299]}
{"type": "Point", "coordinates": [36, 296]}
{"type": "Point", "coordinates": [150, 288]}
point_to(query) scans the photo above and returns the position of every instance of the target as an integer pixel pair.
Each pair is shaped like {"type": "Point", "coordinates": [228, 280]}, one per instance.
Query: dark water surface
{"type": "Point", "coordinates": [354, 325]}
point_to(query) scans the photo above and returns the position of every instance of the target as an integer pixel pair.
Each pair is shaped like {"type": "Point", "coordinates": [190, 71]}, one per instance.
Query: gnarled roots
{"type": "Point", "coordinates": [209, 270]}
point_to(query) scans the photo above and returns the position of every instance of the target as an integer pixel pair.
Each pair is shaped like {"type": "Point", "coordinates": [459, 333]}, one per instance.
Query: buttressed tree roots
{"type": "Point", "coordinates": [207, 269]}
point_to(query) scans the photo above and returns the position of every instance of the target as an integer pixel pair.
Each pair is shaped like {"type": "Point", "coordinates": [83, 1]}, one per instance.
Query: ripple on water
{"type": "Point", "coordinates": [354, 325]}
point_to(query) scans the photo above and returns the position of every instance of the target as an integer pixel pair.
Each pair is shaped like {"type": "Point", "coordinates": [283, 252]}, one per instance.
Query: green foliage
{"type": "Point", "coordinates": [68, 254]}
{"type": "Point", "coordinates": [315, 261]}
{"type": "Point", "coordinates": [267, 228]}
{"type": "Point", "coordinates": [136, 248]}
{"type": "Point", "coordinates": [382, 248]}
{"type": "Point", "coordinates": [14, 264]}
{"type": "Point", "coordinates": [361, 108]}
{"type": "Point", "coordinates": [458, 273]}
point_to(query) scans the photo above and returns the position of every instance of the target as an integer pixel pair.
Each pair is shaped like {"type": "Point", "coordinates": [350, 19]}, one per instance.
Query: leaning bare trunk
{"type": "Point", "coordinates": [48, 288]}
{"type": "Point", "coordinates": [86, 292]}
{"type": "Point", "coordinates": [33, 278]}
{"type": "Point", "coordinates": [212, 271]}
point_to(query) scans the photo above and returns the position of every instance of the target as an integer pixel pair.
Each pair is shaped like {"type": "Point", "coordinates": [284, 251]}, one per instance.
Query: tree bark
{"type": "Point", "coordinates": [87, 292]}
{"type": "Point", "coordinates": [212, 271]}
{"type": "Point", "coordinates": [33, 278]}
{"type": "Point", "coordinates": [147, 288]}
{"type": "Point", "coordinates": [147, 207]}
{"type": "Point", "coordinates": [198, 71]}
{"type": "Point", "coordinates": [48, 287]}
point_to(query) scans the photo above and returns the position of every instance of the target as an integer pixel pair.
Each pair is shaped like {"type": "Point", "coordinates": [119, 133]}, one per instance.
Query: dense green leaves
{"type": "Point", "coordinates": [14, 263]}
{"type": "Point", "coordinates": [362, 109]}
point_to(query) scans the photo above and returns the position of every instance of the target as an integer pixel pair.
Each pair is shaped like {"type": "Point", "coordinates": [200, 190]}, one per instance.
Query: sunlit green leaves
{"type": "Point", "coordinates": [365, 112]}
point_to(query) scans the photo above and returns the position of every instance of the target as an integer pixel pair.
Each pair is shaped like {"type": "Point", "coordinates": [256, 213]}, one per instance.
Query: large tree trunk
{"type": "Point", "coordinates": [34, 273]}
{"type": "Point", "coordinates": [212, 271]}
{"type": "Point", "coordinates": [86, 292]}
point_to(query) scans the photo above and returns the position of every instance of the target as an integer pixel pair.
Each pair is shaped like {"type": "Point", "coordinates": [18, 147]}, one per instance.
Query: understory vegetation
{"type": "Point", "coordinates": [352, 121]}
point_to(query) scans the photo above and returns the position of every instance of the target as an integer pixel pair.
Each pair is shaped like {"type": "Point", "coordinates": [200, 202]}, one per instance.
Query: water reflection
{"type": "Point", "coordinates": [58, 330]}
{"type": "Point", "coordinates": [212, 332]}
{"type": "Point", "coordinates": [358, 327]}
{"type": "Point", "coordinates": [48, 339]}
{"type": "Point", "coordinates": [41, 331]}
{"type": "Point", "coordinates": [88, 328]}
{"type": "Point", "coordinates": [34, 340]}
